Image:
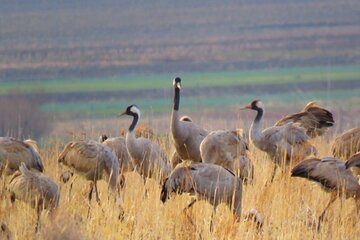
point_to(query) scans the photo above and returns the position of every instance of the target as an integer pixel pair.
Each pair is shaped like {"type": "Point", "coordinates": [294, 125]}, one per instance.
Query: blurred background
{"type": "Point", "coordinates": [69, 67]}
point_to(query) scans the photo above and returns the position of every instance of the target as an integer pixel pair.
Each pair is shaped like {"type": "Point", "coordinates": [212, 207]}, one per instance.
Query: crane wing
{"type": "Point", "coordinates": [313, 118]}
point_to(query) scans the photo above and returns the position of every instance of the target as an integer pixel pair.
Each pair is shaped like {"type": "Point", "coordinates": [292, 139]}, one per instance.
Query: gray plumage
{"type": "Point", "coordinates": [175, 158]}
{"type": "Point", "coordinates": [347, 143]}
{"type": "Point", "coordinates": [330, 173]}
{"type": "Point", "coordinates": [148, 158]}
{"type": "Point", "coordinates": [289, 140]}
{"type": "Point", "coordinates": [185, 134]}
{"type": "Point", "coordinates": [92, 160]}
{"type": "Point", "coordinates": [315, 119]}
{"type": "Point", "coordinates": [35, 189]}
{"type": "Point", "coordinates": [209, 182]}
{"type": "Point", "coordinates": [229, 150]}
{"type": "Point", "coordinates": [118, 146]}
{"type": "Point", "coordinates": [354, 161]}
{"type": "Point", "coordinates": [333, 177]}
{"type": "Point", "coordinates": [13, 152]}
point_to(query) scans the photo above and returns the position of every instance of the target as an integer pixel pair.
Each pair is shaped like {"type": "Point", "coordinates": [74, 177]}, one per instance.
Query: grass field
{"type": "Point", "coordinates": [289, 207]}
{"type": "Point", "coordinates": [67, 68]}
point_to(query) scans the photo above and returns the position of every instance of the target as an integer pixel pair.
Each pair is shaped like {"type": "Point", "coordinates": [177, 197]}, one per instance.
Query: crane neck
{"type": "Point", "coordinates": [131, 143]}
{"type": "Point", "coordinates": [174, 126]}
{"type": "Point", "coordinates": [255, 128]}
{"type": "Point", "coordinates": [176, 99]}
{"type": "Point", "coordinates": [259, 114]}
{"type": "Point", "coordinates": [134, 122]}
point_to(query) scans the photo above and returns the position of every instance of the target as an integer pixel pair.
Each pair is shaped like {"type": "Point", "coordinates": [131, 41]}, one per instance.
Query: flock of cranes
{"type": "Point", "coordinates": [210, 165]}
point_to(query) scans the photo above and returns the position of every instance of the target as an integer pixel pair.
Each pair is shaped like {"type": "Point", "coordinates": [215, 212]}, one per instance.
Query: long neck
{"type": "Point", "coordinates": [255, 129]}
{"type": "Point", "coordinates": [130, 139]}
{"type": "Point", "coordinates": [259, 115]}
{"type": "Point", "coordinates": [176, 99]}
{"type": "Point", "coordinates": [175, 112]}
{"type": "Point", "coordinates": [134, 122]}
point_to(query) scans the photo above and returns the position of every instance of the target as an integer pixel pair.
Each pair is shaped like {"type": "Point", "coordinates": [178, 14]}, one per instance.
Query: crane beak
{"type": "Point", "coordinates": [121, 114]}
{"type": "Point", "coordinates": [246, 107]}
{"type": "Point", "coordinates": [178, 85]}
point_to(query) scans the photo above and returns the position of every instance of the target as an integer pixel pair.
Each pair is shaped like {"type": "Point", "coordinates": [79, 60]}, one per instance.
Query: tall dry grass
{"type": "Point", "coordinates": [289, 206]}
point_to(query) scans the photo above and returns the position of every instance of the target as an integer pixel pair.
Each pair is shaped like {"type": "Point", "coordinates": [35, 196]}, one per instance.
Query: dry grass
{"type": "Point", "coordinates": [289, 207]}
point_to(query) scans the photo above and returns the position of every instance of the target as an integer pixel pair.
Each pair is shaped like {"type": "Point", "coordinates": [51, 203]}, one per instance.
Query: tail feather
{"type": "Point", "coordinates": [113, 179]}
{"type": "Point", "coordinates": [354, 161]}
{"type": "Point", "coordinates": [35, 152]}
{"type": "Point", "coordinates": [38, 161]}
{"type": "Point", "coordinates": [113, 171]}
{"type": "Point", "coordinates": [300, 171]}
{"type": "Point", "coordinates": [306, 168]}
{"type": "Point", "coordinates": [112, 166]}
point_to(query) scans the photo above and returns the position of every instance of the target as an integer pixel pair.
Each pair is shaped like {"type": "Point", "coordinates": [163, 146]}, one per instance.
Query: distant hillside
{"type": "Point", "coordinates": [52, 39]}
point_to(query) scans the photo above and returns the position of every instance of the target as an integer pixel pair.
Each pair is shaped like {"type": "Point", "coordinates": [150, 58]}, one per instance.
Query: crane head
{"type": "Point", "coordinates": [254, 105]}
{"type": "Point", "coordinates": [131, 110]}
{"type": "Point", "coordinates": [177, 83]}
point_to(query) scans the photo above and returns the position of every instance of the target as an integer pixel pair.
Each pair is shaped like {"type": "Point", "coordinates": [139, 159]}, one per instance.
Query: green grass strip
{"type": "Point", "coordinates": [164, 81]}
{"type": "Point", "coordinates": [162, 105]}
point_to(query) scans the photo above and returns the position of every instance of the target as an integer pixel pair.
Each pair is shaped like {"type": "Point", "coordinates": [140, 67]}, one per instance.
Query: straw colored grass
{"type": "Point", "coordinates": [289, 206]}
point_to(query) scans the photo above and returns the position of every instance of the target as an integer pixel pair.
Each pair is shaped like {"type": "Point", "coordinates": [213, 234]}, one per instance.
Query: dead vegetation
{"type": "Point", "coordinates": [289, 207]}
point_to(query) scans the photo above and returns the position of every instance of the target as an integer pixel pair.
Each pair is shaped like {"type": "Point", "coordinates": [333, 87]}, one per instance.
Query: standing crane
{"type": "Point", "coordinates": [209, 182]}
{"type": "Point", "coordinates": [284, 144]}
{"type": "Point", "coordinates": [148, 157]}
{"type": "Point", "coordinates": [186, 135]}
{"type": "Point", "coordinates": [93, 161]}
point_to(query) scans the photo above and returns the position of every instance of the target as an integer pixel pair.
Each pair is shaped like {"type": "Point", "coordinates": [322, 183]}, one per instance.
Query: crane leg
{"type": "Point", "coordinates": [186, 213]}
{"type": "Point", "coordinates": [90, 197]}
{"type": "Point", "coordinates": [97, 193]}
{"type": "Point", "coordinates": [272, 175]}
{"type": "Point", "coordinates": [321, 218]}
{"type": "Point", "coordinates": [120, 193]}
{"type": "Point", "coordinates": [39, 210]}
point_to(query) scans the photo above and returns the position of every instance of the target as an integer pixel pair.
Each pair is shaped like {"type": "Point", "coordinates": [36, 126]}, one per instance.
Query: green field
{"type": "Point", "coordinates": [207, 90]}
{"type": "Point", "coordinates": [162, 81]}
{"type": "Point", "coordinates": [162, 105]}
